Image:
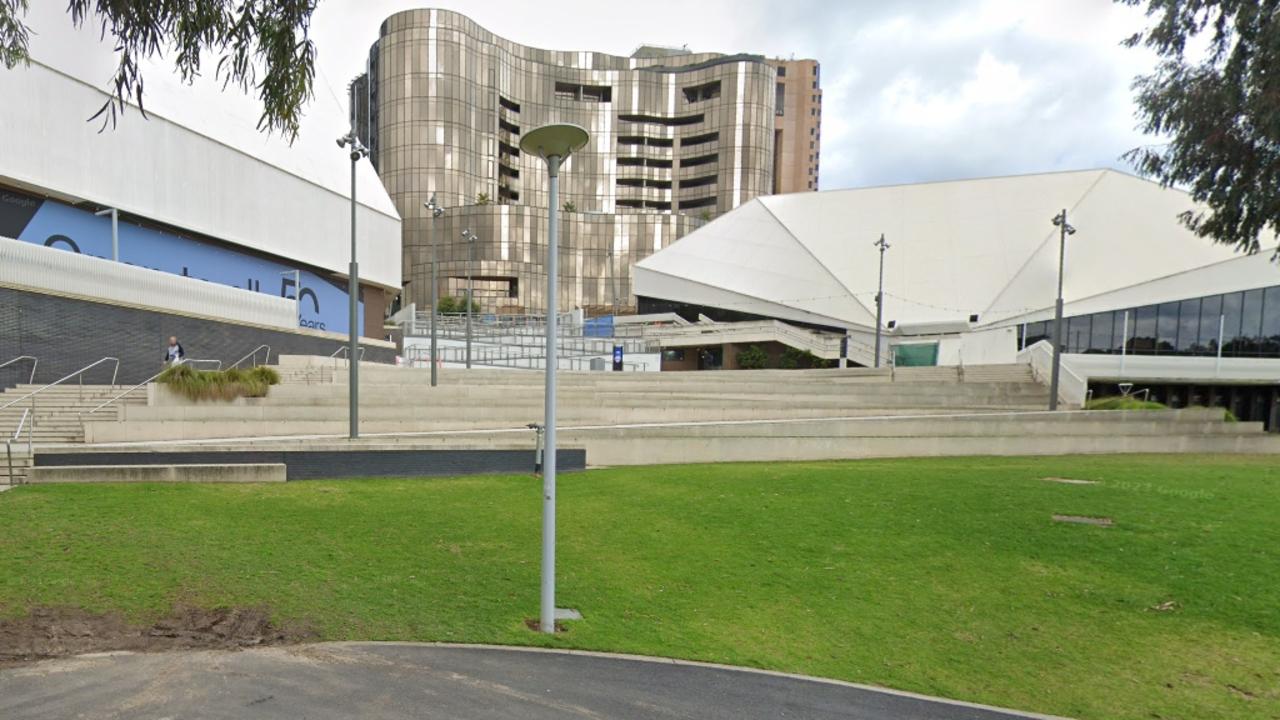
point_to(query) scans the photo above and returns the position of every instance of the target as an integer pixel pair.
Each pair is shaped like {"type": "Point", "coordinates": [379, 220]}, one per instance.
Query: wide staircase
{"type": "Point", "coordinates": [51, 416]}
{"type": "Point", "coordinates": [653, 418]}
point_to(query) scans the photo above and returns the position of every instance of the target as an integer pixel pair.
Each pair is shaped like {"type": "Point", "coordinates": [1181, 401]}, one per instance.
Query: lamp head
{"type": "Point", "coordinates": [436, 210]}
{"type": "Point", "coordinates": [556, 140]}
{"type": "Point", "coordinates": [342, 141]}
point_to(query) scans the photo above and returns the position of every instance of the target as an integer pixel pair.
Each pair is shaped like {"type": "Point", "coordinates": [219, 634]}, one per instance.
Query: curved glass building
{"type": "Point", "coordinates": [677, 138]}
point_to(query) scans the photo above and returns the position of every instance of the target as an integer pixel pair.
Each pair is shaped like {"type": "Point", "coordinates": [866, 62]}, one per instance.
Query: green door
{"type": "Point", "coordinates": [918, 355]}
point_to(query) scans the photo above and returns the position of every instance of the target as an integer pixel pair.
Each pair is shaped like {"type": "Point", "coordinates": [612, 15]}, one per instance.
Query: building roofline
{"type": "Point", "coordinates": [622, 59]}
{"type": "Point", "coordinates": [1013, 176]}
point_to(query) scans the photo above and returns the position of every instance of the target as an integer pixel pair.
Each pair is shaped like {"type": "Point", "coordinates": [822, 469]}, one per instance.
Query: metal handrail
{"type": "Point", "coordinates": [254, 355]}
{"type": "Point", "coordinates": [18, 433]}
{"type": "Point", "coordinates": [34, 362]}
{"type": "Point", "coordinates": [184, 361]}
{"type": "Point", "coordinates": [78, 373]}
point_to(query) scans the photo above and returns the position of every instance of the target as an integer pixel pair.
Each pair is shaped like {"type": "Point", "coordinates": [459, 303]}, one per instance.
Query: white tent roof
{"type": "Point", "coordinates": [973, 247]}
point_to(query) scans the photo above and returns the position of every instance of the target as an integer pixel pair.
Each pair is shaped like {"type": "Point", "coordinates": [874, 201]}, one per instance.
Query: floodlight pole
{"type": "Point", "coordinates": [880, 296]}
{"type": "Point", "coordinates": [470, 237]}
{"type": "Point", "coordinates": [1064, 229]}
{"type": "Point", "coordinates": [436, 211]}
{"type": "Point", "coordinates": [358, 151]}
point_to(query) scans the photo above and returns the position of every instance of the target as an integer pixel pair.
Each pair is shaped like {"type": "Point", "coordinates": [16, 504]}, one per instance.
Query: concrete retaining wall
{"type": "Point", "coordinates": [219, 473]}
{"type": "Point", "coordinates": [315, 464]}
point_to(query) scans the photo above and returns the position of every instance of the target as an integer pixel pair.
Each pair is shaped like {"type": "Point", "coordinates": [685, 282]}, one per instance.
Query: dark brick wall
{"type": "Point", "coordinates": [320, 464]}
{"type": "Point", "coordinates": [66, 334]}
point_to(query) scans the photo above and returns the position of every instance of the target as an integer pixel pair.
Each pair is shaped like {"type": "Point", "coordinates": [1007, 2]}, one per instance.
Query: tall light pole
{"type": "Point", "coordinates": [358, 150]}
{"type": "Point", "coordinates": [436, 212]}
{"type": "Point", "coordinates": [552, 143]}
{"type": "Point", "coordinates": [470, 237]}
{"type": "Point", "coordinates": [1064, 229]}
{"type": "Point", "coordinates": [880, 295]}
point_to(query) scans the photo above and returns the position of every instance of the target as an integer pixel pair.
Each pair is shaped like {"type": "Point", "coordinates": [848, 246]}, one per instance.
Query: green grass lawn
{"type": "Point", "coordinates": [939, 576]}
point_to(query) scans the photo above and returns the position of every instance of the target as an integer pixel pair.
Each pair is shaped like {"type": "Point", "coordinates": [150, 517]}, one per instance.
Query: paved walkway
{"type": "Point", "coordinates": [395, 681]}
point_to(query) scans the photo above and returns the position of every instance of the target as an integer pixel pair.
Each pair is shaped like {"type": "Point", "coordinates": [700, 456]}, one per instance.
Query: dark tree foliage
{"type": "Point", "coordinates": [1220, 109]}
{"type": "Point", "coordinates": [259, 44]}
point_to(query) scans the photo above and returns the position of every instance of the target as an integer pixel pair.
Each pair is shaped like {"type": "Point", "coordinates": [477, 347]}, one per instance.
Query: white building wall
{"type": "Point", "coordinates": [157, 169]}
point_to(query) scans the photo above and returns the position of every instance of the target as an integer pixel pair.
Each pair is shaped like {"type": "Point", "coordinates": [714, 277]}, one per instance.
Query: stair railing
{"type": "Point", "coordinates": [254, 354]}
{"type": "Point", "coordinates": [152, 379]}
{"type": "Point", "coordinates": [77, 374]}
{"type": "Point", "coordinates": [34, 362]}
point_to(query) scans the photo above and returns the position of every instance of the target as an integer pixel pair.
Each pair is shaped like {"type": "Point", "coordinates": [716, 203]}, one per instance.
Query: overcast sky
{"type": "Point", "coordinates": [914, 90]}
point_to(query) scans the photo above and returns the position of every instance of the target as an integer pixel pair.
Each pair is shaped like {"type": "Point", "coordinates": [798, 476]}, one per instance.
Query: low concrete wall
{"type": "Point", "coordinates": [316, 464]}
{"type": "Point", "coordinates": [234, 473]}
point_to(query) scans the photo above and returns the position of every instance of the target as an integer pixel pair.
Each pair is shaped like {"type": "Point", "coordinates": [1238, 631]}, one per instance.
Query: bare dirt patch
{"type": "Point", "coordinates": [1084, 520]}
{"type": "Point", "coordinates": [1069, 481]}
{"type": "Point", "coordinates": [58, 632]}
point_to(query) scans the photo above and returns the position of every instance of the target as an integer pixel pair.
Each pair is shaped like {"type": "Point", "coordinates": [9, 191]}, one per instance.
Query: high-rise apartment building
{"type": "Point", "coordinates": [798, 132]}
{"type": "Point", "coordinates": [677, 138]}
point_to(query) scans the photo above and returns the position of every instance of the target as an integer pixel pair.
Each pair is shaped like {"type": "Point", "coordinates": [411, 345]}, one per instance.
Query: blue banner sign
{"type": "Point", "coordinates": [322, 302]}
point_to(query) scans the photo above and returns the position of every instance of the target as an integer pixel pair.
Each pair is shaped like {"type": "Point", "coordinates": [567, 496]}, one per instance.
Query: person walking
{"type": "Point", "coordinates": [174, 354]}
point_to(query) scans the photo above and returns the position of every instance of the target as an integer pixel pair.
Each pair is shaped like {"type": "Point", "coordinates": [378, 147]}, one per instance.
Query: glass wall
{"type": "Point", "coordinates": [1247, 324]}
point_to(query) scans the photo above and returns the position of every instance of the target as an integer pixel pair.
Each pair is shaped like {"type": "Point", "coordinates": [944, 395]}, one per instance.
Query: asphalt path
{"type": "Point", "coordinates": [395, 681]}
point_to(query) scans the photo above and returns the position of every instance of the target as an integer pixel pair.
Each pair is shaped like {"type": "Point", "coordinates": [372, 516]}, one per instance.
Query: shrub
{"type": "Point", "coordinates": [753, 358]}
{"type": "Point", "coordinates": [457, 305]}
{"type": "Point", "coordinates": [1119, 402]}
{"type": "Point", "coordinates": [227, 384]}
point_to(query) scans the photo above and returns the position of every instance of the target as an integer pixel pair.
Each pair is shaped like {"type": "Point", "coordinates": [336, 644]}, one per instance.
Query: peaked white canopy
{"type": "Point", "coordinates": [983, 247]}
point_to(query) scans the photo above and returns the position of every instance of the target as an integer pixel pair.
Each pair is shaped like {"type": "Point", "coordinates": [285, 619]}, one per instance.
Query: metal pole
{"type": "Point", "coordinates": [115, 234]}
{"type": "Point", "coordinates": [1057, 315]}
{"type": "Point", "coordinates": [1222, 325]}
{"type": "Point", "coordinates": [435, 314]}
{"type": "Point", "coordinates": [1124, 342]}
{"type": "Point", "coordinates": [353, 289]}
{"type": "Point", "coordinates": [471, 253]}
{"type": "Point", "coordinates": [547, 614]}
{"type": "Point", "coordinates": [880, 297]}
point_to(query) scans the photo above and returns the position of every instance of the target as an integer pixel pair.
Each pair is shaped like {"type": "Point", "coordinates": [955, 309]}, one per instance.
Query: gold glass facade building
{"type": "Point", "coordinates": [677, 138]}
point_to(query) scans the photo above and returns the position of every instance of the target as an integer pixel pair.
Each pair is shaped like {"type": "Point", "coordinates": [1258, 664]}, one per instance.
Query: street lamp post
{"type": "Point", "coordinates": [436, 212]}
{"type": "Point", "coordinates": [358, 150]}
{"type": "Point", "coordinates": [553, 143]}
{"type": "Point", "coordinates": [470, 237]}
{"type": "Point", "coordinates": [1064, 229]}
{"type": "Point", "coordinates": [880, 295]}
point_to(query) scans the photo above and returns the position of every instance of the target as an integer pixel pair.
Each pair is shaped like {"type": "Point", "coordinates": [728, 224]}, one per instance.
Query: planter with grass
{"type": "Point", "coordinates": [188, 384]}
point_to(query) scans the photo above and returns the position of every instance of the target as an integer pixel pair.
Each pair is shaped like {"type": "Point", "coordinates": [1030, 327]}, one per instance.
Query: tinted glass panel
{"type": "Point", "coordinates": [1100, 336]}
{"type": "Point", "coordinates": [1035, 332]}
{"type": "Point", "coordinates": [1167, 329]}
{"type": "Point", "coordinates": [1077, 340]}
{"type": "Point", "coordinates": [1144, 334]}
{"type": "Point", "coordinates": [1271, 321]}
{"type": "Point", "coordinates": [1231, 304]}
{"type": "Point", "coordinates": [1210, 312]}
{"type": "Point", "coordinates": [1251, 323]}
{"type": "Point", "coordinates": [1125, 326]}
{"type": "Point", "coordinates": [1188, 325]}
